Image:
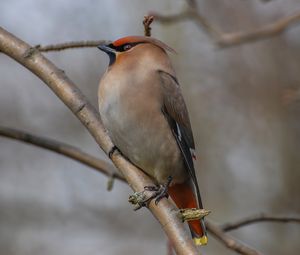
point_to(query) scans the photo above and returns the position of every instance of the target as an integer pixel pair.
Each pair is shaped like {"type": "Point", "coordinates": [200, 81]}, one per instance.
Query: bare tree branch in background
{"type": "Point", "coordinates": [70, 45]}
{"type": "Point", "coordinates": [67, 91]}
{"type": "Point", "coordinates": [266, 31]}
{"type": "Point", "coordinates": [62, 148]}
{"type": "Point", "coordinates": [229, 242]}
{"type": "Point", "coordinates": [222, 40]}
{"type": "Point", "coordinates": [259, 218]}
{"type": "Point", "coordinates": [189, 14]}
{"type": "Point", "coordinates": [104, 168]}
{"type": "Point", "coordinates": [234, 38]}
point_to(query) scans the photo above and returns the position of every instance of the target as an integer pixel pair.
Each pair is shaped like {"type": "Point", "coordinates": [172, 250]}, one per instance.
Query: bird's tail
{"type": "Point", "coordinates": [184, 197]}
{"type": "Point", "coordinates": [199, 236]}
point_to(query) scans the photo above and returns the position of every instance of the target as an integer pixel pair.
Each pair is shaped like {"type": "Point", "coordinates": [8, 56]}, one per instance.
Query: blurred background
{"type": "Point", "coordinates": [247, 133]}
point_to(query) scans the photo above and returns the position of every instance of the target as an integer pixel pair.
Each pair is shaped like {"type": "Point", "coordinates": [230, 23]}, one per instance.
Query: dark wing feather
{"type": "Point", "coordinates": [176, 113]}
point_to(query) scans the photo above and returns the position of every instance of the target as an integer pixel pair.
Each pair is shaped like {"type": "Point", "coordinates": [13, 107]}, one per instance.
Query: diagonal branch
{"type": "Point", "coordinates": [266, 31]}
{"type": "Point", "coordinates": [234, 38]}
{"type": "Point", "coordinates": [228, 241]}
{"type": "Point", "coordinates": [61, 148]}
{"type": "Point", "coordinates": [67, 91]}
{"type": "Point", "coordinates": [258, 218]}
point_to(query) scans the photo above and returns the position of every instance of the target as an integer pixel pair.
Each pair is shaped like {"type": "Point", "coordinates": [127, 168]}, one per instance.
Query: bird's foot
{"type": "Point", "coordinates": [160, 191]}
{"type": "Point", "coordinates": [141, 200]}
{"type": "Point", "coordinates": [112, 150]}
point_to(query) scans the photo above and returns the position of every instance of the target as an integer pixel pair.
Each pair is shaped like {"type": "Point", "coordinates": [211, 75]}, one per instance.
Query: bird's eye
{"type": "Point", "coordinates": [126, 47]}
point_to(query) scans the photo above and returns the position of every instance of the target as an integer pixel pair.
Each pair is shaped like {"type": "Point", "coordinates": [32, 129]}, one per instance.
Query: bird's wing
{"type": "Point", "coordinates": [176, 113]}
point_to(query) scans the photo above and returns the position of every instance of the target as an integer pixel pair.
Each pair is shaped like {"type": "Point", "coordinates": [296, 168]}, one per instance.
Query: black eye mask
{"type": "Point", "coordinates": [124, 47]}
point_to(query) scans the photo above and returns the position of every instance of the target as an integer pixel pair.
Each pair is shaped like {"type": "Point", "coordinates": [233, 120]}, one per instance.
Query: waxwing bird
{"type": "Point", "coordinates": [143, 110]}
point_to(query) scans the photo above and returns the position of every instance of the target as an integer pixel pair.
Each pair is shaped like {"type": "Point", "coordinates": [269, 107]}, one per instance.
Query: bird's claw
{"type": "Point", "coordinates": [159, 192]}
{"type": "Point", "coordinates": [163, 191]}
{"type": "Point", "coordinates": [151, 188]}
{"type": "Point", "coordinates": [112, 150]}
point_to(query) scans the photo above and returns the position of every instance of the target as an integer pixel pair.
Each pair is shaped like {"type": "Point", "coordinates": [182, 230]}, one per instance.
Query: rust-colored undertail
{"type": "Point", "coordinates": [184, 197]}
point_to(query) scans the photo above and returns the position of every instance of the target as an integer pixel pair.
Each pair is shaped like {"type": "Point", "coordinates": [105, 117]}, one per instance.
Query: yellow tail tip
{"type": "Point", "coordinates": [200, 240]}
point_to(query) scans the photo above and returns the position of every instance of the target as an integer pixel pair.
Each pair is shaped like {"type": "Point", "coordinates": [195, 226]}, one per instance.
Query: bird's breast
{"type": "Point", "coordinates": [132, 115]}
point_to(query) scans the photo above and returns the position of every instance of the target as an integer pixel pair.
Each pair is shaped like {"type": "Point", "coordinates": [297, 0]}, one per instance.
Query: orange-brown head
{"type": "Point", "coordinates": [127, 44]}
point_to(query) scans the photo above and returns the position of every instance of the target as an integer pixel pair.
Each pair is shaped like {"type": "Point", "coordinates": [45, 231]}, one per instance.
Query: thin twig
{"type": "Point", "coordinates": [61, 148]}
{"type": "Point", "coordinates": [148, 19]}
{"type": "Point", "coordinates": [229, 241]}
{"type": "Point", "coordinates": [70, 45]}
{"type": "Point", "coordinates": [67, 91]}
{"type": "Point", "coordinates": [258, 218]}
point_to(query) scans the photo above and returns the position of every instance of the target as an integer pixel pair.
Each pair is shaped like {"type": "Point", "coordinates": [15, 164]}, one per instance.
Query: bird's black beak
{"type": "Point", "coordinates": [111, 52]}
{"type": "Point", "coordinates": [107, 48]}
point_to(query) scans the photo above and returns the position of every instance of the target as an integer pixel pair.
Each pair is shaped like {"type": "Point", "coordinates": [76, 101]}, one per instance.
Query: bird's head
{"type": "Point", "coordinates": [128, 45]}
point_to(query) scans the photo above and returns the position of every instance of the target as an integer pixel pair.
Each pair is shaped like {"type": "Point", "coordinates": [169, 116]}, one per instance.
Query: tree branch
{"type": "Point", "coordinates": [266, 31]}
{"type": "Point", "coordinates": [66, 90]}
{"type": "Point", "coordinates": [258, 218]}
{"type": "Point", "coordinates": [70, 45]}
{"type": "Point", "coordinates": [234, 38]}
{"type": "Point", "coordinates": [189, 14]}
{"type": "Point", "coordinates": [89, 44]}
{"type": "Point", "coordinates": [61, 148]}
{"type": "Point", "coordinates": [228, 241]}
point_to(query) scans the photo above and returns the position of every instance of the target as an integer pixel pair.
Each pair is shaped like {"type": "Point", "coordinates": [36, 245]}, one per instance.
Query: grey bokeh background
{"type": "Point", "coordinates": [247, 138]}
